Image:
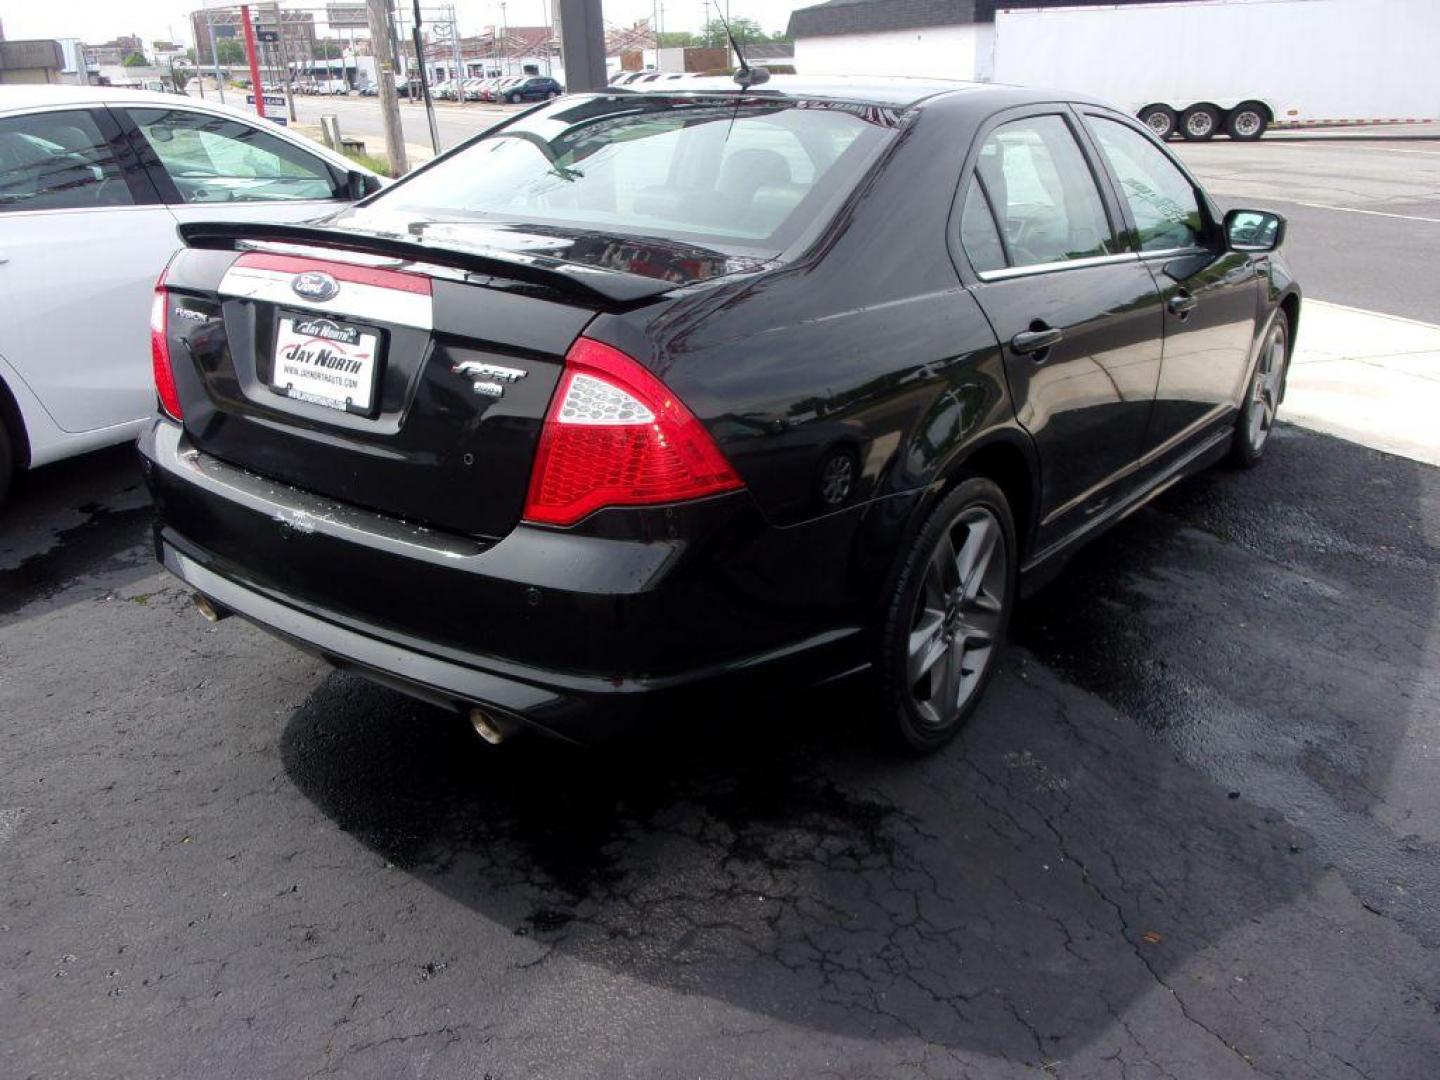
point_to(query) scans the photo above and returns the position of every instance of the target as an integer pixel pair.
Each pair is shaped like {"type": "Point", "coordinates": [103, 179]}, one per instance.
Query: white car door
{"type": "Point", "coordinates": [82, 239]}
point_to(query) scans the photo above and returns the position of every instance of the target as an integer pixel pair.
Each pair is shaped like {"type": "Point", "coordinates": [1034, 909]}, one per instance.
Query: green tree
{"type": "Point", "coordinates": [135, 59]}
{"type": "Point", "coordinates": [745, 31]}
{"type": "Point", "coordinates": [678, 39]}
{"type": "Point", "coordinates": [230, 51]}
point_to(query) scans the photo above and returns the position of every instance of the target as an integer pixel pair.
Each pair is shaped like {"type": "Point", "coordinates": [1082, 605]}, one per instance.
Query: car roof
{"type": "Point", "coordinates": [861, 89]}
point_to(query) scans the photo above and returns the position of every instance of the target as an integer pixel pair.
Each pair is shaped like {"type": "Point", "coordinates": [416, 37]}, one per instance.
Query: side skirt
{"type": "Point", "coordinates": [1046, 565]}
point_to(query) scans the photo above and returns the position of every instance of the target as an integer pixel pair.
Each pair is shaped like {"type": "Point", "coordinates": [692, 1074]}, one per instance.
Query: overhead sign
{"type": "Point", "coordinates": [347, 17]}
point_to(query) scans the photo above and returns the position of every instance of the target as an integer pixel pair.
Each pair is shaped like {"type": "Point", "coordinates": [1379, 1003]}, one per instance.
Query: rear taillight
{"type": "Point", "coordinates": [160, 353]}
{"type": "Point", "coordinates": [615, 436]}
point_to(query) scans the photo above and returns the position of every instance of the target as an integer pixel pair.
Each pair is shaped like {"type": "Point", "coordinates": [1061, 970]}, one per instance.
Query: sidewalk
{"type": "Point", "coordinates": [1373, 379]}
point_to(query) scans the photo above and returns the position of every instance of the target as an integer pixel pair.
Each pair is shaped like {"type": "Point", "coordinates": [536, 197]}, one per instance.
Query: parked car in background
{"type": "Point", "coordinates": [492, 89]}
{"type": "Point", "coordinates": [643, 390]}
{"type": "Point", "coordinates": [530, 88]}
{"type": "Point", "coordinates": [93, 182]}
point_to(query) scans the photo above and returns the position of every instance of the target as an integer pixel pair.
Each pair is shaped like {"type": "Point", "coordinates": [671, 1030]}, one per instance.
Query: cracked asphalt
{"type": "Point", "coordinates": [1194, 831]}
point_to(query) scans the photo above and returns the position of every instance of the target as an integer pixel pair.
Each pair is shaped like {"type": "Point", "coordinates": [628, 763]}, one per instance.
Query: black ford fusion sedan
{"type": "Point", "coordinates": [642, 394]}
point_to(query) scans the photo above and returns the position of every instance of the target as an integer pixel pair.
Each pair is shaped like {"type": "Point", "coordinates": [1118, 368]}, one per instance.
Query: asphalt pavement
{"type": "Point", "coordinates": [1192, 832]}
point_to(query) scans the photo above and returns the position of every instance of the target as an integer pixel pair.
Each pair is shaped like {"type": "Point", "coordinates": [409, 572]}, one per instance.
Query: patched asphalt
{"type": "Point", "coordinates": [1194, 832]}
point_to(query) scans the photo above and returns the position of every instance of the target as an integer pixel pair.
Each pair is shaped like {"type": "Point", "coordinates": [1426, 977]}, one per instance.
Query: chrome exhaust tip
{"type": "Point", "coordinates": [486, 727]}
{"type": "Point", "coordinates": [210, 610]}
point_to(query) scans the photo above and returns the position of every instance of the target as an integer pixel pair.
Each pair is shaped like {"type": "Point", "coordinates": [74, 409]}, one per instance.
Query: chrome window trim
{"type": "Point", "coordinates": [1172, 253]}
{"type": "Point", "coordinates": [1051, 267]}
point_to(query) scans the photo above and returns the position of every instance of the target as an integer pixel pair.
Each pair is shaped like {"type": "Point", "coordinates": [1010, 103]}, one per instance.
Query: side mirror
{"type": "Point", "coordinates": [359, 184]}
{"type": "Point", "coordinates": [1255, 231]}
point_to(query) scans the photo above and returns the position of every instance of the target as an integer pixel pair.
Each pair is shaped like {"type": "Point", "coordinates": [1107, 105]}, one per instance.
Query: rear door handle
{"type": "Point", "coordinates": [1029, 342]}
{"type": "Point", "coordinates": [1182, 303]}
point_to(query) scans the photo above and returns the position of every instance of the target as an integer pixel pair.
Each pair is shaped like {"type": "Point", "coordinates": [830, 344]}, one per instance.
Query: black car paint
{"type": "Point", "coordinates": [876, 340]}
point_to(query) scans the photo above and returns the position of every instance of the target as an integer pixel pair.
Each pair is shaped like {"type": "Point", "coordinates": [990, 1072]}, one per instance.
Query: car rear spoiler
{"type": "Point", "coordinates": [612, 287]}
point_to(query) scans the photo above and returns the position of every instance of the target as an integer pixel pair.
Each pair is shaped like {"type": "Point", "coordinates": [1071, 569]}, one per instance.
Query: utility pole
{"type": "Point", "coordinates": [460, 73]}
{"type": "Point", "coordinates": [505, 33]}
{"type": "Point", "coordinates": [425, 81]}
{"type": "Point", "coordinates": [380, 42]}
{"type": "Point", "coordinates": [214, 56]}
{"type": "Point", "coordinates": [285, 59]}
{"type": "Point", "coordinates": [582, 45]}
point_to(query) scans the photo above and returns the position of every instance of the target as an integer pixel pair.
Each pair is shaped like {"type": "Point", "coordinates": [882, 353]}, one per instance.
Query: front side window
{"type": "Point", "coordinates": [746, 175]}
{"type": "Point", "coordinates": [1043, 192]}
{"type": "Point", "coordinates": [214, 159]}
{"type": "Point", "coordinates": [1161, 198]}
{"type": "Point", "coordinates": [58, 161]}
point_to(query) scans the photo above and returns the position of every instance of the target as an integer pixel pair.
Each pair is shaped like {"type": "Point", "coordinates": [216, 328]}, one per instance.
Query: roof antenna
{"type": "Point", "coordinates": [747, 76]}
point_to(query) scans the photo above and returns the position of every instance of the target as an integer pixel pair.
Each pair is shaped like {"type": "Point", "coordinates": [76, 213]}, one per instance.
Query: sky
{"type": "Point", "coordinates": [100, 20]}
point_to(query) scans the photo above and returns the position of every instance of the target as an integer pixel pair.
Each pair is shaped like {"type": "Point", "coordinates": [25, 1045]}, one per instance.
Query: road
{"type": "Point", "coordinates": [1194, 831]}
{"type": "Point", "coordinates": [1364, 213]}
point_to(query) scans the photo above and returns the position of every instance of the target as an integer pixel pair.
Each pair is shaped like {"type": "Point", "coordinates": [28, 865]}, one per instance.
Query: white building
{"type": "Point", "coordinates": [951, 39]}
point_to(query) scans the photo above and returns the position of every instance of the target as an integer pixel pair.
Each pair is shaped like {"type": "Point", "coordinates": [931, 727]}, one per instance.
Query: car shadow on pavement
{"type": "Point", "coordinates": [1109, 851]}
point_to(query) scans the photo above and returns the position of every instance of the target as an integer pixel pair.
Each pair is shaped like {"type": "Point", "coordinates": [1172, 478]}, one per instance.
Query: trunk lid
{"type": "Point", "coordinates": [398, 384]}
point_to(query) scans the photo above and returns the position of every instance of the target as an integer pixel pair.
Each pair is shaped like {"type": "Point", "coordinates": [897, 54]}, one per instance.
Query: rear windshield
{"type": "Point", "coordinates": [731, 175]}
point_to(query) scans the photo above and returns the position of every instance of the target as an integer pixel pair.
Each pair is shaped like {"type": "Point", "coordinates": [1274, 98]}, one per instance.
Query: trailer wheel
{"type": "Point", "coordinates": [1247, 121]}
{"type": "Point", "coordinates": [1160, 119]}
{"type": "Point", "coordinates": [1200, 123]}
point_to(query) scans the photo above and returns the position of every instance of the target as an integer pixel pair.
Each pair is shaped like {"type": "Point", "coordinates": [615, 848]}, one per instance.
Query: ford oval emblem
{"type": "Point", "coordinates": [315, 286]}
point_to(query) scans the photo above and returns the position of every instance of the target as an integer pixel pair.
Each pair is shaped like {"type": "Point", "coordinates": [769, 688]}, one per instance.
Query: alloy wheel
{"type": "Point", "coordinates": [1265, 391]}
{"type": "Point", "coordinates": [837, 479]}
{"type": "Point", "coordinates": [1199, 124]}
{"type": "Point", "coordinates": [1246, 123]}
{"type": "Point", "coordinates": [1161, 122]}
{"type": "Point", "coordinates": [958, 616]}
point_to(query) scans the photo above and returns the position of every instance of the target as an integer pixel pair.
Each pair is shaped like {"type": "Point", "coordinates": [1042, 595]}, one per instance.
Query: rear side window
{"type": "Point", "coordinates": [1161, 199]}
{"type": "Point", "coordinates": [978, 235]}
{"type": "Point", "coordinates": [1043, 192]}
{"type": "Point", "coordinates": [750, 176]}
{"type": "Point", "coordinates": [58, 161]}
{"type": "Point", "coordinates": [216, 159]}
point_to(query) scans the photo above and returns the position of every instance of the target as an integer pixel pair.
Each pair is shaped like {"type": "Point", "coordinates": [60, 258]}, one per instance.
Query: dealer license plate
{"type": "Point", "coordinates": [325, 363]}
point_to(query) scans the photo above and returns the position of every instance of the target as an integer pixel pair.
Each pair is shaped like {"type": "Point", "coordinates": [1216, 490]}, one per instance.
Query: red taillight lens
{"type": "Point", "coordinates": [160, 354]}
{"type": "Point", "coordinates": [615, 436]}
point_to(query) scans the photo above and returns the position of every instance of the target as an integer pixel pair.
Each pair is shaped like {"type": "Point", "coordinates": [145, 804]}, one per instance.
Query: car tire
{"type": "Point", "coordinates": [7, 460]}
{"type": "Point", "coordinates": [1263, 395]}
{"type": "Point", "coordinates": [1247, 121]}
{"type": "Point", "coordinates": [1200, 123]}
{"type": "Point", "coordinates": [514, 99]}
{"type": "Point", "coordinates": [949, 610]}
{"type": "Point", "coordinates": [1160, 119]}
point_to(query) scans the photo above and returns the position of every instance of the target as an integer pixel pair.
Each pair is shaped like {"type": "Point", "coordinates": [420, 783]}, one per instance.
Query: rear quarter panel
{"type": "Point", "coordinates": [867, 345]}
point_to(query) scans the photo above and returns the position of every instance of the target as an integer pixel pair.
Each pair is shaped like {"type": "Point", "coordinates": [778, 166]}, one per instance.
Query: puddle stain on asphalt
{"type": "Point", "coordinates": [108, 539]}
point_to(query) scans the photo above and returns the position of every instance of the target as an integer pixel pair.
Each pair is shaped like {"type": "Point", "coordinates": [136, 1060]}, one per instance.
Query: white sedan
{"type": "Point", "coordinates": [93, 182]}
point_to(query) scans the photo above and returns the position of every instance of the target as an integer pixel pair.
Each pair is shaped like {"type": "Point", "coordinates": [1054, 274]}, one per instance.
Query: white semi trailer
{"type": "Point", "coordinates": [1202, 67]}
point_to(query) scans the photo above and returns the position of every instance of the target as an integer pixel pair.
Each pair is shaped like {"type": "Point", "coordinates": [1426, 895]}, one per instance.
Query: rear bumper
{"type": "Point", "coordinates": [579, 635]}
